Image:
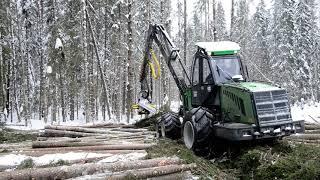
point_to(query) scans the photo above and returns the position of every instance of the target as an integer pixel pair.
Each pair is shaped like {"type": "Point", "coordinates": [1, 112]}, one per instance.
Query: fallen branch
{"type": "Point", "coordinates": [65, 172]}
{"type": "Point", "coordinates": [151, 172]}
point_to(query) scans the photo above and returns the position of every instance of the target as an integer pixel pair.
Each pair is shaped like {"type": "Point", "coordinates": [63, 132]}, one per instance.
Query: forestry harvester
{"type": "Point", "coordinates": [219, 100]}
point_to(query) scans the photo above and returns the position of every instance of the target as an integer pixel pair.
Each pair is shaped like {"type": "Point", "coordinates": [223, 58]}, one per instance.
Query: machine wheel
{"type": "Point", "coordinates": [197, 131]}
{"type": "Point", "coordinates": [169, 126]}
{"type": "Point", "coordinates": [158, 127]}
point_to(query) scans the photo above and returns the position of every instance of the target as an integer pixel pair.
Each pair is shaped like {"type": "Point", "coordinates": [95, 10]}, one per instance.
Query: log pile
{"type": "Point", "coordinates": [114, 143]}
{"type": "Point", "coordinates": [311, 135]}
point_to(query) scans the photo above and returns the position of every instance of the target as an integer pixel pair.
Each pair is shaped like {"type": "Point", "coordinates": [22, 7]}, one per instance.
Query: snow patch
{"type": "Point", "coordinates": [124, 157]}
{"type": "Point", "coordinates": [12, 159]}
{"type": "Point", "coordinates": [49, 69]}
{"type": "Point", "coordinates": [309, 112]}
{"type": "Point", "coordinates": [58, 44]}
{"type": "Point", "coordinates": [16, 159]}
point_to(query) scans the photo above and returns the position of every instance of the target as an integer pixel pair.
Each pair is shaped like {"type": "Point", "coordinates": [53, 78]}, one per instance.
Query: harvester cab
{"type": "Point", "coordinates": [219, 100]}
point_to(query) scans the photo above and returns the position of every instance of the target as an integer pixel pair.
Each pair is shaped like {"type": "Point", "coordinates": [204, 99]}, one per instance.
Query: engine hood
{"type": "Point", "coordinates": [254, 86]}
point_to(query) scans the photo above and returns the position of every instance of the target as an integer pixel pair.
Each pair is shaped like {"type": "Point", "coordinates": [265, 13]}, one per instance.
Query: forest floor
{"type": "Point", "coordinates": [113, 151]}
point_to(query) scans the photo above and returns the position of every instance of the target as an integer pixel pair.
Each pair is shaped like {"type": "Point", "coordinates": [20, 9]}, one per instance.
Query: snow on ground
{"type": "Point", "coordinates": [16, 159]}
{"type": "Point", "coordinates": [124, 157]}
{"type": "Point", "coordinates": [309, 112]}
{"type": "Point", "coordinates": [13, 160]}
{"type": "Point", "coordinates": [175, 105]}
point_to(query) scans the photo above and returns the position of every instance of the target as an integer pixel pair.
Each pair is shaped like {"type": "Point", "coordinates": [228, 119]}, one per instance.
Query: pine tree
{"type": "Point", "coordinates": [220, 26]}
{"type": "Point", "coordinates": [259, 43]}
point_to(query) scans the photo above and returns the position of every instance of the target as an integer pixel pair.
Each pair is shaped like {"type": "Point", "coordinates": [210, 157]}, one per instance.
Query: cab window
{"type": "Point", "coordinates": [207, 74]}
{"type": "Point", "coordinates": [195, 76]}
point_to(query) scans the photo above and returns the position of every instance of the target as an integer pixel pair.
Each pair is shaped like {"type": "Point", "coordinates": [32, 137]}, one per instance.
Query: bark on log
{"type": "Point", "coordinates": [306, 141]}
{"type": "Point", "coordinates": [37, 153]}
{"type": "Point", "coordinates": [51, 144]}
{"type": "Point", "coordinates": [65, 172]}
{"type": "Point", "coordinates": [174, 176]}
{"type": "Point", "coordinates": [129, 130]}
{"type": "Point", "coordinates": [305, 136]}
{"type": "Point", "coordinates": [108, 125]}
{"type": "Point", "coordinates": [102, 147]}
{"type": "Point", "coordinates": [311, 126]}
{"type": "Point", "coordinates": [151, 172]}
{"type": "Point", "coordinates": [316, 131]}
{"type": "Point", "coordinates": [60, 133]}
{"type": "Point", "coordinates": [76, 129]}
{"type": "Point", "coordinates": [67, 139]}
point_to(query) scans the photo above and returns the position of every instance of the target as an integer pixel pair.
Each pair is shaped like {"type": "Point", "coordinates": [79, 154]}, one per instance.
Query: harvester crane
{"type": "Point", "coordinates": [220, 103]}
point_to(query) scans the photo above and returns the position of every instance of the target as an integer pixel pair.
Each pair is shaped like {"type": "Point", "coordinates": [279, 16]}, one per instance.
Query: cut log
{"type": "Point", "coordinates": [76, 129]}
{"type": "Point", "coordinates": [41, 153]}
{"type": "Point", "coordinates": [67, 139]}
{"type": "Point", "coordinates": [102, 147]}
{"type": "Point", "coordinates": [316, 131]}
{"type": "Point", "coordinates": [151, 172]}
{"type": "Point", "coordinates": [60, 133]}
{"type": "Point", "coordinates": [306, 141]}
{"type": "Point", "coordinates": [51, 144]}
{"type": "Point", "coordinates": [108, 125]}
{"type": "Point", "coordinates": [65, 172]}
{"type": "Point", "coordinates": [129, 130]}
{"type": "Point", "coordinates": [305, 136]}
{"type": "Point", "coordinates": [311, 126]}
{"type": "Point", "coordinates": [174, 176]}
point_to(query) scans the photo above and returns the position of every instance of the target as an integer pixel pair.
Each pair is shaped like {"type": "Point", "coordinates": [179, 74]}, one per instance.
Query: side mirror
{"type": "Point", "coordinates": [237, 78]}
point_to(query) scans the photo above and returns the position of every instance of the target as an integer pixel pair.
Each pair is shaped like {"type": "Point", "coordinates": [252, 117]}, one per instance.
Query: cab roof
{"type": "Point", "coordinates": [219, 48]}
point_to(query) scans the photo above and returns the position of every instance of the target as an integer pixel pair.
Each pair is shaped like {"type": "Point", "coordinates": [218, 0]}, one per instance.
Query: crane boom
{"type": "Point", "coordinates": [158, 35]}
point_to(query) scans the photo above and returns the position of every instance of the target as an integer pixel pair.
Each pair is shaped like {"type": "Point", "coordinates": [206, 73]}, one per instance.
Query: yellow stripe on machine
{"type": "Point", "coordinates": [153, 70]}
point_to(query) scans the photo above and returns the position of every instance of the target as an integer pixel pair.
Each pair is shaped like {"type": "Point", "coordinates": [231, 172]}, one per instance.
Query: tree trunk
{"type": "Point", "coordinates": [130, 62]}
{"type": "Point", "coordinates": [185, 33]}
{"type": "Point", "coordinates": [104, 86]}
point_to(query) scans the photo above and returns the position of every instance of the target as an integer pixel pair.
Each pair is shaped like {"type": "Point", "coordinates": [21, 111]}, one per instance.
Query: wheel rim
{"type": "Point", "coordinates": [188, 134]}
{"type": "Point", "coordinates": [163, 131]}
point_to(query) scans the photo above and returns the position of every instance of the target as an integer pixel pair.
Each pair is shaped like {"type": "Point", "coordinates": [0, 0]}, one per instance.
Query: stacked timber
{"type": "Point", "coordinates": [121, 149]}
{"type": "Point", "coordinates": [311, 135]}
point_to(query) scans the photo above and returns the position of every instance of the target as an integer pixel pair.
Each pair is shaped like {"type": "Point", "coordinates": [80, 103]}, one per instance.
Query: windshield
{"type": "Point", "coordinates": [225, 68]}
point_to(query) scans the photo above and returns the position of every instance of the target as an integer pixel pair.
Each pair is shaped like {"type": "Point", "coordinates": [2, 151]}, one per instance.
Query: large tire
{"type": "Point", "coordinates": [197, 131]}
{"type": "Point", "coordinates": [169, 126]}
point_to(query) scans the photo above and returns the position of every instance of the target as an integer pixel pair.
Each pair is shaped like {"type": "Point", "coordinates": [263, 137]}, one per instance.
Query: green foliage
{"type": "Point", "coordinates": [301, 163]}
{"type": "Point", "coordinates": [27, 163]}
{"type": "Point", "coordinates": [60, 162]}
{"type": "Point", "coordinates": [249, 161]}
{"type": "Point", "coordinates": [278, 161]}
{"type": "Point", "coordinates": [205, 168]}
{"type": "Point", "coordinates": [11, 136]}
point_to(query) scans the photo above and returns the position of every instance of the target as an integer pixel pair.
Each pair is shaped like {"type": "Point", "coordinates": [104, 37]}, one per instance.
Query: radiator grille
{"type": "Point", "coordinates": [272, 107]}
